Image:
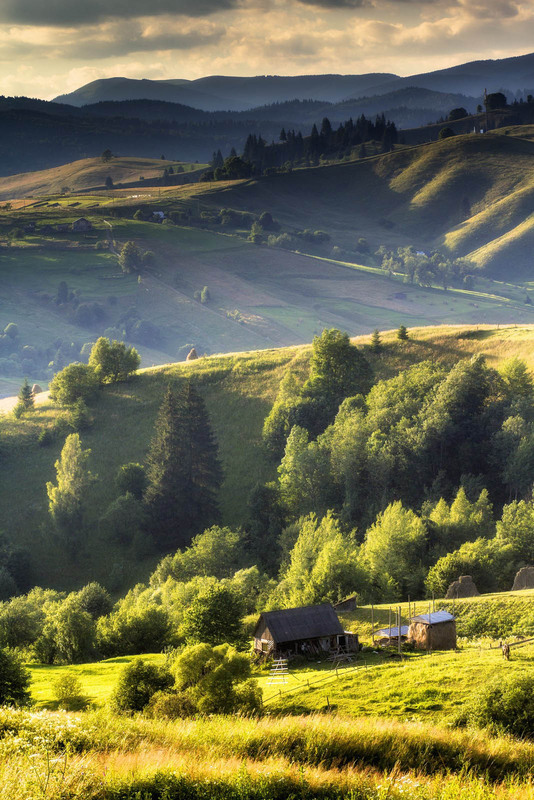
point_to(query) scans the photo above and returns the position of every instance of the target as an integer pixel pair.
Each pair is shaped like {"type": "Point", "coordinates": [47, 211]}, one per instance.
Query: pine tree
{"type": "Point", "coordinates": [183, 470]}
{"type": "Point", "coordinates": [376, 344]}
{"type": "Point", "coordinates": [402, 333]}
{"type": "Point", "coordinates": [26, 397]}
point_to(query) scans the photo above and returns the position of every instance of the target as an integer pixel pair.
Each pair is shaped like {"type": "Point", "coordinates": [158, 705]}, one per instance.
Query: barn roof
{"type": "Point", "coordinates": [308, 622]}
{"type": "Point", "coordinates": [393, 632]}
{"type": "Point", "coordinates": [434, 618]}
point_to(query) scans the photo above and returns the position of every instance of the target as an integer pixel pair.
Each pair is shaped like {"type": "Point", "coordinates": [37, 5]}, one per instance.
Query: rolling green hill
{"type": "Point", "coordinates": [88, 173]}
{"type": "Point", "coordinates": [238, 389]}
{"type": "Point", "coordinates": [472, 195]}
{"type": "Point", "coordinates": [260, 296]}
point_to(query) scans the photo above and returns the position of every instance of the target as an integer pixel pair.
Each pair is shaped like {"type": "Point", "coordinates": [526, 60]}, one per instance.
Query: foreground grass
{"type": "Point", "coordinates": [99, 756]}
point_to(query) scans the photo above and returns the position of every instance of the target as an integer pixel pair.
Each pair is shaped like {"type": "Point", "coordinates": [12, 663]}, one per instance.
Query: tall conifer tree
{"type": "Point", "coordinates": [183, 470]}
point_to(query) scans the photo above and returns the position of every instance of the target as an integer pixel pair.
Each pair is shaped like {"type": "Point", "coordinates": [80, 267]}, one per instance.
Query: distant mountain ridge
{"type": "Point", "coordinates": [221, 93]}
{"type": "Point", "coordinates": [225, 93]}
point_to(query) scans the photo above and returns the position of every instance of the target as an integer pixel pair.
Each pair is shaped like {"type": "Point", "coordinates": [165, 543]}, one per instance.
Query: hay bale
{"type": "Point", "coordinates": [524, 579]}
{"type": "Point", "coordinates": [463, 587]}
{"type": "Point", "coordinates": [36, 389]}
{"type": "Point", "coordinates": [192, 355]}
{"type": "Point", "coordinates": [441, 636]}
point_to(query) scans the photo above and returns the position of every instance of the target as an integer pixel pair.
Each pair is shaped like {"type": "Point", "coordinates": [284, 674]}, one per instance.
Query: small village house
{"type": "Point", "coordinates": [306, 630]}
{"type": "Point", "coordinates": [435, 631]}
{"type": "Point", "coordinates": [82, 225]}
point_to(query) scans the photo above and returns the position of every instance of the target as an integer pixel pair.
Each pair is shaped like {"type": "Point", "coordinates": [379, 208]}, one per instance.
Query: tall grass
{"type": "Point", "coordinates": [102, 757]}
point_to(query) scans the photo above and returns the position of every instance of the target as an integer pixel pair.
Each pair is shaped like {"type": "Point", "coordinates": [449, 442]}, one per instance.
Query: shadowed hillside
{"type": "Point", "coordinates": [464, 193]}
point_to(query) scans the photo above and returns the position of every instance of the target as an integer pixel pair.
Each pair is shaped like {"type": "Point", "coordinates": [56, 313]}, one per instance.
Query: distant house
{"type": "Point", "coordinates": [305, 630]}
{"type": "Point", "coordinates": [82, 225]}
{"type": "Point", "coordinates": [159, 215]}
{"type": "Point", "coordinates": [435, 631]}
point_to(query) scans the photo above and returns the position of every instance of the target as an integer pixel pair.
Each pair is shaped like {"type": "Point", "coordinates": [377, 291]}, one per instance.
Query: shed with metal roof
{"type": "Point", "coordinates": [304, 630]}
{"type": "Point", "coordinates": [433, 631]}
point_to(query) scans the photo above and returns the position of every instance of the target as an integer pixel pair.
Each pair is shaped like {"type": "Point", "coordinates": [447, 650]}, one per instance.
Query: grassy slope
{"type": "Point", "coordinates": [261, 296]}
{"type": "Point", "coordinates": [239, 390]}
{"type": "Point", "coordinates": [81, 175]}
{"type": "Point", "coordinates": [280, 297]}
{"type": "Point", "coordinates": [413, 196]}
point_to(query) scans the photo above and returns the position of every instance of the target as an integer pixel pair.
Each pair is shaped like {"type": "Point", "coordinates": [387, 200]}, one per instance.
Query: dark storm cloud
{"type": "Point", "coordinates": [132, 40]}
{"type": "Point", "coordinates": [336, 3]}
{"type": "Point", "coordinates": [347, 4]}
{"type": "Point", "coordinates": [66, 13]}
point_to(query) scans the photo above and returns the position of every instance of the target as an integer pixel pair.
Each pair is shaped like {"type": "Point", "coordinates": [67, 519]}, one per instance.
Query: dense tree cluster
{"type": "Point", "coordinates": [426, 269]}
{"type": "Point", "coordinates": [294, 148]}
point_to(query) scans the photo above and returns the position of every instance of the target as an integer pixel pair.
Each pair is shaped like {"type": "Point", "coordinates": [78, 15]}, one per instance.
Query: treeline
{"type": "Point", "coordinates": [293, 149]}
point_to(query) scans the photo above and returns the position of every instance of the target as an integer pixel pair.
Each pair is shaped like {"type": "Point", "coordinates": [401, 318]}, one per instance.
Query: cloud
{"type": "Point", "coordinates": [340, 4]}
{"type": "Point", "coordinates": [66, 13]}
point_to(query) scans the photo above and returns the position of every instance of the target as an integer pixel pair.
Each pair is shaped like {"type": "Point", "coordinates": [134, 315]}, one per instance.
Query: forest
{"type": "Point", "coordinates": [386, 489]}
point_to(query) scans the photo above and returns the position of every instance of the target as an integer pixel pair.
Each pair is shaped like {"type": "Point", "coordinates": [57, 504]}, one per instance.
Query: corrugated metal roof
{"type": "Point", "coordinates": [391, 632]}
{"type": "Point", "coordinates": [434, 618]}
{"type": "Point", "coordinates": [308, 622]}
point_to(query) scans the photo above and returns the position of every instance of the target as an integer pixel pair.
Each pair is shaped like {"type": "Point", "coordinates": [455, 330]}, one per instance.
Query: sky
{"type": "Point", "coordinates": [48, 47]}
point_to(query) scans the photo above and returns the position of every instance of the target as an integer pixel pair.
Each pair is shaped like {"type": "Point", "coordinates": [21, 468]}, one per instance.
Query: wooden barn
{"type": "Point", "coordinates": [435, 631]}
{"type": "Point", "coordinates": [82, 225]}
{"type": "Point", "coordinates": [302, 631]}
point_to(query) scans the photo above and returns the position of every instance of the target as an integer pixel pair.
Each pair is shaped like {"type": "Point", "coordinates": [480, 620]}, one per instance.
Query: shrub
{"type": "Point", "coordinates": [74, 382]}
{"type": "Point", "coordinates": [170, 705]}
{"type": "Point", "coordinates": [14, 680]}
{"type": "Point", "coordinates": [68, 693]}
{"type": "Point", "coordinates": [137, 684]}
{"type": "Point", "coordinates": [505, 705]}
{"type": "Point", "coordinates": [217, 679]}
{"type": "Point", "coordinates": [131, 478]}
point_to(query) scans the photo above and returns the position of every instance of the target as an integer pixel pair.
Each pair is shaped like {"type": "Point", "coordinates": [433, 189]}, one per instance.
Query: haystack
{"type": "Point", "coordinates": [192, 355]}
{"type": "Point", "coordinates": [36, 389]}
{"type": "Point", "coordinates": [524, 579]}
{"type": "Point", "coordinates": [463, 587]}
{"type": "Point", "coordinates": [435, 631]}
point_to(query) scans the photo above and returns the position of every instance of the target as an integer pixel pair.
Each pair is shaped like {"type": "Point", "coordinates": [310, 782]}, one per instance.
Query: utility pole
{"type": "Point", "coordinates": [486, 107]}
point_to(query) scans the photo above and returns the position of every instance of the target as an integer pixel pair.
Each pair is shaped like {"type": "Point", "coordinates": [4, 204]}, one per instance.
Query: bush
{"type": "Point", "coordinates": [68, 692]}
{"type": "Point", "coordinates": [217, 679]}
{"type": "Point", "coordinates": [170, 705]}
{"type": "Point", "coordinates": [14, 680]}
{"type": "Point", "coordinates": [137, 684]}
{"type": "Point", "coordinates": [131, 478]}
{"type": "Point", "coordinates": [74, 382]}
{"type": "Point", "coordinates": [505, 705]}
